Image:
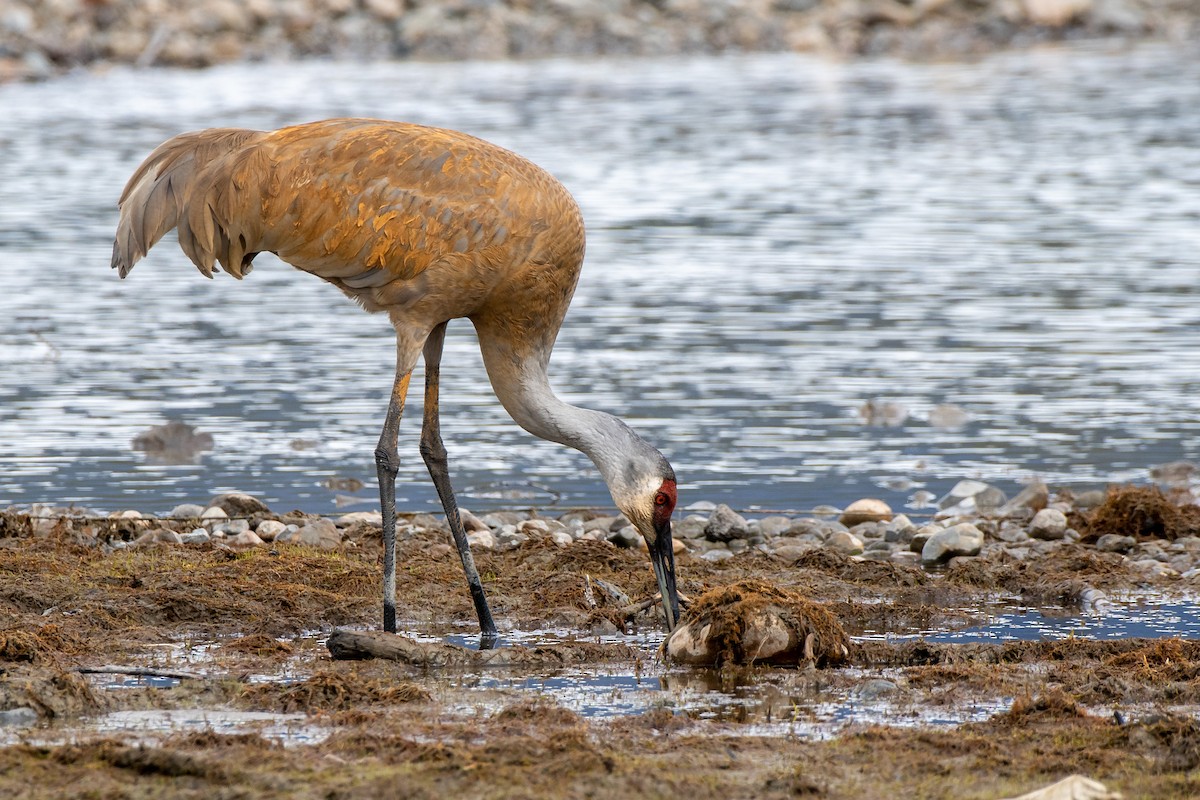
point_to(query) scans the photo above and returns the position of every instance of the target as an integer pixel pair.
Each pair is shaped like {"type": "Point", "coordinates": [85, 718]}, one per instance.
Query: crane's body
{"type": "Point", "coordinates": [425, 225]}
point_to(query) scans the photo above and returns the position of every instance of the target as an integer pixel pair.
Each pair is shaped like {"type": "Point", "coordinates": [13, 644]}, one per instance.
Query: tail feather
{"type": "Point", "coordinates": [178, 186]}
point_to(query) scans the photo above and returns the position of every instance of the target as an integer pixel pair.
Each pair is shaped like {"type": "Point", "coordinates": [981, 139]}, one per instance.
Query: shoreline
{"type": "Point", "coordinates": [40, 40]}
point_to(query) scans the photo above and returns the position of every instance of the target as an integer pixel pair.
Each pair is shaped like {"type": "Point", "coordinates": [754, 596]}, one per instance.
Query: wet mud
{"type": "Point", "coordinates": [204, 671]}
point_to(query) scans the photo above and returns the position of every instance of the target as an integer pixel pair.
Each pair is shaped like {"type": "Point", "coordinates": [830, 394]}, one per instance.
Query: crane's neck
{"type": "Point", "coordinates": [624, 459]}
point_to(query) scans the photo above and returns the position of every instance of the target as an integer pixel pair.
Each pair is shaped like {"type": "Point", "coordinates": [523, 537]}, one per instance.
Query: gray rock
{"type": "Point", "coordinates": [701, 505]}
{"type": "Point", "coordinates": [1048, 524]}
{"type": "Point", "coordinates": [320, 533]}
{"type": "Point", "coordinates": [844, 542]}
{"type": "Point", "coordinates": [917, 543]}
{"type": "Point", "coordinates": [826, 511]}
{"type": "Point", "coordinates": [214, 513]}
{"type": "Point", "coordinates": [717, 554]}
{"type": "Point", "coordinates": [507, 539]}
{"type": "Point", "coordinates": [485, 540]}
{"type": "Point", "coordinates": [963, 539]}
{"type": "Point", "coordinates": [1012, 533]}
{"type": "Point", "coordinates": [1033, 498]}
{"type": "Point", "coordinates": [561, 538]}
{"type": "Point", "coordinates": [725, 524]}
{"type": "Point", "coordinates": [186, 511]}
{"type": "Point", "coordinates": [498, 518]}
{"type": "Point", "coordinates": [601, 524]}
{"type": "Point", "coordinates": [356, 517]}
{"type": "Point", "coordinates": [793, 552]}
{"type": "Point", "coordinates": [691, 527]}
{"type": "Point", "coordinates": [159, 536]}
{"type": "Point", "coordinates": [805, 526]}
{"type": "Point", "coordinates": [537, 527]}
{"type": "Point", "coordinates": [268, 529]}
{"type": "Point", "coordinates": [471, 523]}
{"type": "Point", "coordinates": [774, 526]}
{"type": "Point", "coordinates": [866, 510]}
{"type": "Point", "coordinates": [626, 537]}
{"type": "Point", "coordinates": [231, 528]}
{"type": "Point", "coordinates": [245, 540]}
{"type": "Point", "coordinates": [198, 536]}
{"type": "Point", "coordinates": [900, 529]}
{"type": "Point", "coordinates": [239, 504]}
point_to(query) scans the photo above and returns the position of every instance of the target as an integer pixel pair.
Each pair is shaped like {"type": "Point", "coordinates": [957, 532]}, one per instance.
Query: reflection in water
{"type": "Point", "coordinates": [774, 241]}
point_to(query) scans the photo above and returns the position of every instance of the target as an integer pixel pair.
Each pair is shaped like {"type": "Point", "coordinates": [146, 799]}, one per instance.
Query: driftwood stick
{"type": "Point", "coordinates": [141, 672]}
{"type": "Point", "coordinates": [352, 645]}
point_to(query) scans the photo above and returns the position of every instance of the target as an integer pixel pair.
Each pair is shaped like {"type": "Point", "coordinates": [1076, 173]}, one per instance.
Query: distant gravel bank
{"type": "Point", "coordinates": [40, 38]}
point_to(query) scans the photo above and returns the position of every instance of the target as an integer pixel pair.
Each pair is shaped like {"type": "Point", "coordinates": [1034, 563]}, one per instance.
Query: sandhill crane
{"type": "Point", "coordinates": [425, 225]}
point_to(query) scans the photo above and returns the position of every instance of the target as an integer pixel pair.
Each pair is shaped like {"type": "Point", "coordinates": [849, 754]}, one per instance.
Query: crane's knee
{"type": "Point", "coordinates": [433, 450]}
{"type": "Point", "coordinates": [387, 460]}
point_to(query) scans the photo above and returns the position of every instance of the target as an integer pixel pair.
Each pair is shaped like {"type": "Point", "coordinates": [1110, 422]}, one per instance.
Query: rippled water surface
{"type": "Point", "coordinates": [774, 240]}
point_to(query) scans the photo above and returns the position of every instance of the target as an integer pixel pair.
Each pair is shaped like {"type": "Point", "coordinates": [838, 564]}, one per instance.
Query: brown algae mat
{"type": "Point", "coordinates": [1116, 711]}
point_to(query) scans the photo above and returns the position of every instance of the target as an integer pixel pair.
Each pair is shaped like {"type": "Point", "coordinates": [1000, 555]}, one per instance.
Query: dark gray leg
{"type": "Point", "coordinates": [387, 464]}
{"type": "Point", "coordinates": [434, 453]}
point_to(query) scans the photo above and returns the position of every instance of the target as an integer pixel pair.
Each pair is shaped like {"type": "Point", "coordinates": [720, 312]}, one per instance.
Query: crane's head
{"type": "Point", "coordinates": [648, 502]}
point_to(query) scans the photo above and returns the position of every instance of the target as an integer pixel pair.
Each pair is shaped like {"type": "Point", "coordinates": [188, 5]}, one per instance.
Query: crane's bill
{"type": "Point", "coordinates": [662, 556]}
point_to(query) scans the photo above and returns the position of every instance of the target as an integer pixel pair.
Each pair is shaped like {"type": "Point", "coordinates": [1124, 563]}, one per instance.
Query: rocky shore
{"type": "Point", "coordinates": [1149, 534]}
{"type": "Point", "coordinates": [40, 38]}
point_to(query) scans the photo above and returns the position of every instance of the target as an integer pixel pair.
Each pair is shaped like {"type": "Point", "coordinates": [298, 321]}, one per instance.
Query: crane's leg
{"type": "Point", "coordinates": [434, 453]}
{"type": "Point", "coordinates": [387, 464]}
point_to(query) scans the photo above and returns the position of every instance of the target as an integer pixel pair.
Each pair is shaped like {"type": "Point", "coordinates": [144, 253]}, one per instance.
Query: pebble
{"type": "Point", "coordinates": [268, 529]}
{"type": "Point", "coordinates": [245, 539]}
{"type": "Point", "coordinates": [198, 536]}
{"type": "Point", "coordinates": [691, 527]}
{"type": "Point", "coordinates": [963, 539]}
{"type": "Point", "coordinates": [717, 554]}
{"type": "Point", "coordinates": [1048, 524]}
{"type": "Point", "coordinates": [320, 533]}
{"type": "Point", "coordinates": [507, 539]}
{"type": "Point", "coordinates": [844, 542]}
{"type": "Point", "coordinates": [356, 517]}
{"type": "Point", "coordinates": [1033, 498]}
{"type": "Point", "coordinates": [865, 510]}
{"type": "Point", "coordinates": [239, 504]}
{"type": "Point", "coordinates": [793, 552]}
{"type": "Point", "coordinates": [484, 539]}
{"type": "Point", "coordinates": [875, 688]}
{"type": "Point", "coordinates": [725, 524]}
{"type": "Point", "coordinates": [774, 526]}
{"type": "Point", "coordinates": [186, 511]}
{"type": "Point", "coordinates": [562, 538]}
{"type": "Point", "coordinates": [470, 522]}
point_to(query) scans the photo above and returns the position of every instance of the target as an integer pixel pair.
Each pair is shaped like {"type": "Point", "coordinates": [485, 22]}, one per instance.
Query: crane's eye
{"type": "Point", "coordinates": [661, 499]}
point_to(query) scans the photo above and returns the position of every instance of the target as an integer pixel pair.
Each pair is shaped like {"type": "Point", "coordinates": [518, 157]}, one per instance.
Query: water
{"type": "Point", "coordinates": [773, 241]}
